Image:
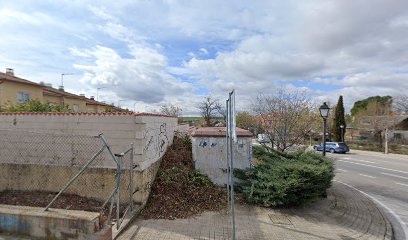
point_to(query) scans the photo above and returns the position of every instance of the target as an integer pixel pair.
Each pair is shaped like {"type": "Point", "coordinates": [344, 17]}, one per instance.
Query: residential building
{"type": "Point", "coordinates": [15, 90]}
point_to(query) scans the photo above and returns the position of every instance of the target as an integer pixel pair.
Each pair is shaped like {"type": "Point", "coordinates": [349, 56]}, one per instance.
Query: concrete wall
{"type": "Point", "coordinates": [42, 160]}
{"type": "Point", "coordinates": [209, 156]}
{"type": "Point", "coordinates": [52, 224]}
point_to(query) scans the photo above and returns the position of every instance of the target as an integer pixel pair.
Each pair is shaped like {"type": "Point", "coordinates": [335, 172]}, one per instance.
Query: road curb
{"type": "Point", "coordinates": [396, 229]}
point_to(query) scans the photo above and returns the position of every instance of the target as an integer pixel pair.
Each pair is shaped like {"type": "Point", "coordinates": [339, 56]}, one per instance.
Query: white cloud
{"type": "Point", "coordinates": [142, 77]}
{"type": "Point", "coordinates": [154, 52]}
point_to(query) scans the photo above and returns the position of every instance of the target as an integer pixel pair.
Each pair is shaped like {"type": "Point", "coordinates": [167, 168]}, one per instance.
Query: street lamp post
{"type": "Point", "coordinates": [342, 135]}
{"type": "Point", "coordinates": [97, 92]}
{"type": "Point", "coordinates": [120, 100]}
{"type": "Point", "coordinates": [324, 112]}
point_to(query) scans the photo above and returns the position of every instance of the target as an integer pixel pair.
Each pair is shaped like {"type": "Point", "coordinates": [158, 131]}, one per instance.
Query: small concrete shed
{"type": "Point", "coordinates": [210, 152]}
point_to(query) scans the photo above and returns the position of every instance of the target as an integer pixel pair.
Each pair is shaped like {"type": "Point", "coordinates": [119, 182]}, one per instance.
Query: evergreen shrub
{"type": "Point", "coordinates": [285, 179]}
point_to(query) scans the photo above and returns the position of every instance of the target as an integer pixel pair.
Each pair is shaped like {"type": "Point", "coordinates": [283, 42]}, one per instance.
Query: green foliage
{"type": "Point", "coordinates": [281, 179]}
{"type": "Point", "coordinates": [198, 179]}
{"type": "Point", "coordinates": [36, 106]}
{"type": "Point", "coordinates": [248, 121]}
{"type": "Point", "coordinates": [187, 141]}
{"type": "Point", "coordinates": [386, 101]}
{"type": "Point", "coordinates": [108, 109]}
{"type": "Point", "coordinates": [339, 120]}
{"type": "Point", "coordinates": [171, 175]}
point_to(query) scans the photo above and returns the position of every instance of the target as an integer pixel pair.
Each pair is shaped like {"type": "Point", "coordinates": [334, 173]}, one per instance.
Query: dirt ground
{"type": "Point", "coordinates": [42, 199]}
{"type": "Point", "coordinates": [179, 191]}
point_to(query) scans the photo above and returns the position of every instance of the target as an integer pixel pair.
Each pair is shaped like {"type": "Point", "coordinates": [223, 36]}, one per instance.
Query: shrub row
{"type": "Point", "coordinates": [285, 179]}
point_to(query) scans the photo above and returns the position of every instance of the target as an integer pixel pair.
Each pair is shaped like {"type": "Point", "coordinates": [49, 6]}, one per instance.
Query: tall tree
{"type": "Point", "coordinates": [375, 118]}
{"type": "Point", "coordinates": [248, 121]}
{"type": "Point", "coordinates": [171, 110]}
{"type": "Point", "coordinates": [288, 117]}
{"type": "Point", "coordinates": [338, 121]}
{"type": "Point", "coordinates": [361, 105]}
{"type": "Point", "coordinates": [209, 109]}
{"type": "Point", "coordinates": [401, 104]}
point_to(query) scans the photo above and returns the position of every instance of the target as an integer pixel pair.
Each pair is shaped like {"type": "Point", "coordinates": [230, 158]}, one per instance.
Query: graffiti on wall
{"type": "Point", "coordinates": [156, 143]}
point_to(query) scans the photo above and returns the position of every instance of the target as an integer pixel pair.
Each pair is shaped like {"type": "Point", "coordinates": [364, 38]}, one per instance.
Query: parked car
{"type": "Point", "coordinates": [333, 147]}
{"type": "Point", "coordinates": [263, 138]}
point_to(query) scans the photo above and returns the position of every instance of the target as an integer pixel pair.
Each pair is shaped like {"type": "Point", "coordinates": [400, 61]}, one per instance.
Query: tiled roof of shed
{"type": "Point", "coordinates": [217, 132]}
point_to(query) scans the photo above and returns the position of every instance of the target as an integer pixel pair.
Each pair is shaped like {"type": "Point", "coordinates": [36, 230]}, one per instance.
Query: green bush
{"type": "Point", "coordinates": [36, 106]}
{"type": "Point", "coordinates": [282, 179]}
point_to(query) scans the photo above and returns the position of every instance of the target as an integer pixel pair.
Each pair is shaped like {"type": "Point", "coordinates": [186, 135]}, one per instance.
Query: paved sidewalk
{"type": "Point", "coordinates": [344, 215]}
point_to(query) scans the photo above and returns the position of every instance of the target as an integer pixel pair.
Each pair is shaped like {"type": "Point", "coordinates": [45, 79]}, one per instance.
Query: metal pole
{"type": "Point", "coordinates": [107, 147]}
{"type": "Point", "coordinates": [131, 177]}
{"type": "Point", "coordinates": [324, 136]}
{"type": "Point", "coordinates": [75, 177]}
{"type": "Point", "coordinates": [228, 153]}
{"type": "Point", "coordinates": [342, 135]}
{"type": "Point", "coordinates": [118, 192]}
{"type": "Point", "coordinates": [386, 141]}
{"type": "Point", "coordinates": [232, 169]}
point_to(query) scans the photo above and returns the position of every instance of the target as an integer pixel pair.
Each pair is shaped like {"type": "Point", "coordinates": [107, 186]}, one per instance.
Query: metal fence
{"type": "Point", "coordinates": [61, 161]}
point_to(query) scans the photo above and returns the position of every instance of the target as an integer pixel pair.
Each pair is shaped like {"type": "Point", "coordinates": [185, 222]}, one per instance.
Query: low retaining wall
{"type": "Point", "coordinates": [52, 224]}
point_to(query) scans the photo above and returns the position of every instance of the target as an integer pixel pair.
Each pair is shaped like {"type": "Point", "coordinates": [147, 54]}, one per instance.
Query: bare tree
{"type": "Point", "coordinates": [210, 108]}
{"type": "Point", "coordinates": [287, 116]}
{"type": "Point", "coordinates": [171, 110]}
{"type": "Point", "coordinates": [376, 118]}
{"type": "Point", "coordinates": [400, 104]}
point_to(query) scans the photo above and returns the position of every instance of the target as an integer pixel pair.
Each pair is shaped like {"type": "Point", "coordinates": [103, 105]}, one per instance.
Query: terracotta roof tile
{"type": "Point", "coordinates": [217, 132]}
{"type": "Point", "coordinates": [86, 113]}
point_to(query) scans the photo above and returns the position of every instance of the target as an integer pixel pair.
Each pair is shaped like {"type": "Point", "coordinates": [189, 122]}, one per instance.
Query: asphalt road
{"type": "Point", "coordinates": [382, 177]}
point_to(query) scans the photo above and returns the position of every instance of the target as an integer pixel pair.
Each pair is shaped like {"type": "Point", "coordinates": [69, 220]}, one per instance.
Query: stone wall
{"type": "Point", "coordinates": [48, 163]}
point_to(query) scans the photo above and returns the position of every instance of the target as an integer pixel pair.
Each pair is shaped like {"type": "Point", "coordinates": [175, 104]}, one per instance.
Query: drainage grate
{"type": "Point", "coordinates": [280, 219]}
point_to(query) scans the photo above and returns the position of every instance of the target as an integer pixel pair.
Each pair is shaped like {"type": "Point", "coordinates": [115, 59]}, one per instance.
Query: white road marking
{"type": "Point", "coordinates": [362, 164]}
{"type": "Point", "coordinates": [366, 176]}
{"type": "Point", "coordinates": [393, 175]}
{"type": "Point", "coordinates": [389, 210]}
{"type": "Point", "coordinates": [402, 184]}
{"type": "Point", "coordinates": [341, 170]}
{"type": "Point", "coordinates": [362, 161]}
{"type": "Point", "coordinates": [346, 158]}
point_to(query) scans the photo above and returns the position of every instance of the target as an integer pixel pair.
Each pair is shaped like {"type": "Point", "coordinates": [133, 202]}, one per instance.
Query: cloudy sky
{"type": "Point", "coordinates": [145, 53]}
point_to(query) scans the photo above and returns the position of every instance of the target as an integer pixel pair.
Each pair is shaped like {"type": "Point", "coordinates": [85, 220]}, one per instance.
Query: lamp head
{"type": "Point", "coordinates": [324, 110]}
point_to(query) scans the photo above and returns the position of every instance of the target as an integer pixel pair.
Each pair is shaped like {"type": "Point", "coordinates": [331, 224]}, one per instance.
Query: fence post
{"type": "Point", "coordinates": [131, 176]}
{"type": "Point", "coordinates": [119, 169]}
{"type": "Point", "coordinates": [386, 141]}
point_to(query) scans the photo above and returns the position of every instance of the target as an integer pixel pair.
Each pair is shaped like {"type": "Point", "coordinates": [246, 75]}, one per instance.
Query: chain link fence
{"type": "Point", "coordinates": [66, 171]}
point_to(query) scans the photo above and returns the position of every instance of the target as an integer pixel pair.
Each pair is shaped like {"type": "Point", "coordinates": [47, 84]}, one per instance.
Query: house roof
{"type": "Point", "coordinates": [7, 77]}
{"type": "Point", "coordinates": [217, 132]}
{"type": "Point", "coordinates": [52, 91]}
{"type": "Point", "coordinates": [56, 92]}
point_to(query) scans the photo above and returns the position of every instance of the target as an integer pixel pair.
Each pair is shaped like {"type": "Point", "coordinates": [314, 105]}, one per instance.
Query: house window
{"type": "Point", "coordinates": [75, 107]}
{"type": "Point", "coordinates": [23, 97]}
